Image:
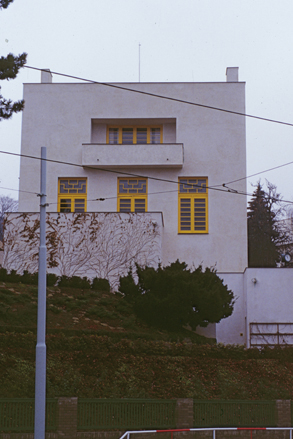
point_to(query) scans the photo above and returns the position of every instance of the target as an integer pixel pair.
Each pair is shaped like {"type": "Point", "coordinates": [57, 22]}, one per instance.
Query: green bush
{"type": "Point", "coordinates": [100, 284]}
{"type": "Point", "coordinates": [3, 274]}
{"type": "Point", "coordinates": [52, 279]}
{"type": "Point", "coordinates": [29, 278]}
{"type": "Point", "coordinates": [174, 296]}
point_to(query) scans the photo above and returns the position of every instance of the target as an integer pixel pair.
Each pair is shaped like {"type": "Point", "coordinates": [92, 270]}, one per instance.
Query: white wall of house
{"type": "Point", "coordinates": [263, 296]}
{"type": "Point", "coordinates": [66, 118]}
{"type": "Point", "coordinates": [232, 330]}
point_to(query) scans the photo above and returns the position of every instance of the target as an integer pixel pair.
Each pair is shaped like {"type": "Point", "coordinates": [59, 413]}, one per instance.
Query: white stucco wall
{"type": "Point", "coordinates": [264, 295]}
{"type": "Point", "coordinates": [232, 330]}
{"type": "Point", "coordinates": [61, 117]}
{"type": "Point", "coordinates": [269, 295]}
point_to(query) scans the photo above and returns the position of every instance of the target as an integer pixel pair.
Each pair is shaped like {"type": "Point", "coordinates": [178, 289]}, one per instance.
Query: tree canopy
{"type": "Point", "coordinates": [265, 232]}
{"type": "Point", "coordinates": [174, 296]}
{"type": "Point", "coordinates": [5, 3]}
{"type": "Point", "coordinates": [9, 68]}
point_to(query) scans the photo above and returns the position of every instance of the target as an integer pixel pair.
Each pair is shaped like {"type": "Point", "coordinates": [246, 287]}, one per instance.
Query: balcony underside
{"type": "Point", "coordinates": [138, 156]}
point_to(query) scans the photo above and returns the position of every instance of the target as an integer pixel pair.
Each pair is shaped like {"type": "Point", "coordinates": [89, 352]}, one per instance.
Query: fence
{"type": "Point", "coordinates": [107, 414]}
{"type": "Point", "coordinates": [18, 414]}
{"type": "Point", "coordinates": [234, 413]}
{"type": "Point", "coordinates": [149, 433]}
{"type": "Point", "coordinates": [271, 334]}
{"type": "Point", "coordinates": [72, 415]}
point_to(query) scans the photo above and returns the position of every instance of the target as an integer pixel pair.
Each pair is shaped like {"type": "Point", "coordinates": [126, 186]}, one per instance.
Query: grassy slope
{"type": "Point", "coordinates": [97, 348]}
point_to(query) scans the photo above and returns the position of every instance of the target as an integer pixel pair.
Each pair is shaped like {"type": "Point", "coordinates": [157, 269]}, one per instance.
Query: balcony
{"type": "Point", "coordinates": [163, 155]}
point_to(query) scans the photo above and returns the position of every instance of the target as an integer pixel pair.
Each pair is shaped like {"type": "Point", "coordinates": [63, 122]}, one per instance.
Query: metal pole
{"type": "Point", "coordinates": [40, 383]}
{"type": "Point", "coordinates": [139, 62]}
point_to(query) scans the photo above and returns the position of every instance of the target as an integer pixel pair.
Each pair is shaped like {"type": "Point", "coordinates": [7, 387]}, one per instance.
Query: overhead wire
{"type": "Point", "coordinates": [214, 187]}
{"type": "Point", "coordinates": [18, 190]}
{"type": "Point", "coordinates": [105, 170]}
{"type": "Point", "coordinates": [225, 188]}
{"type": "Point", "coordinates": [162, 96]}
{"type": "Point", "coordinates": [181, 101]}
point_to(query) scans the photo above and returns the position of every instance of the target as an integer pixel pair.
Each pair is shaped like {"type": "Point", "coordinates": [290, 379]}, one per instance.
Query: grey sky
{"type": "Point", "coordinates": [186, 40]}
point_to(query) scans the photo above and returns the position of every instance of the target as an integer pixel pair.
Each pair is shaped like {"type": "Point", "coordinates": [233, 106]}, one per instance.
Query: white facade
{"type": "Point", "coordinates": [263, 310]}
{"type": "Point", "coordinates": [72, 121]}
{"type": "Point", "coordinates": [196, 142]}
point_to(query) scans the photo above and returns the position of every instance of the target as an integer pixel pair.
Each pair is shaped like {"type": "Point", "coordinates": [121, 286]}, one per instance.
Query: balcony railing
{"type": "Point", "coordinates": [147, 155]}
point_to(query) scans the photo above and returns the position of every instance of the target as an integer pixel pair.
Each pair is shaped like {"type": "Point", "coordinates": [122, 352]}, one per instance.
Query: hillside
{"type": "Point", "coordinates": [97, 348]}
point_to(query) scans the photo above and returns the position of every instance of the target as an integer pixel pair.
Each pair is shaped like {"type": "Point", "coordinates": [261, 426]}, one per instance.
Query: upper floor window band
{"type": "Point", "coordinates": [134, 135]}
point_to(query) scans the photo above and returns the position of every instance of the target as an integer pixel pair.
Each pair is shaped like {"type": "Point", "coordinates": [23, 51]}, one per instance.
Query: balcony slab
{"type": "Point", "coordinates": [139, 156]}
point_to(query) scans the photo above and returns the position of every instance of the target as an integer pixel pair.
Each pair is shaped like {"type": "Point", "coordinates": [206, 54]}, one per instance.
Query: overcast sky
{"type": "Point", "coordinates": [181, 40]}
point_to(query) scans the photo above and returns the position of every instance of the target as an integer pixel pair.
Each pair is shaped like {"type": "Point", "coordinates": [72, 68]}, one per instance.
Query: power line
{"type": "Point", "coordinates": [107, 170]}
{"type": "Point", "coordinates": [225, 188]}
{"type": "Point", "coordinates": [162, 97]}
{"type": "Point", "coordinates": [261, 172]}
{"type": "Point", "coordinates": [18, 190]}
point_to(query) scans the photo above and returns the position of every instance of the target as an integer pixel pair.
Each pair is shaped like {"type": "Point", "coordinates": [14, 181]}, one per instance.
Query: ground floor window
{"type": "Point", "coordinates": [132, 194]}
{"type": "Point", "coordinates": [72, 194]}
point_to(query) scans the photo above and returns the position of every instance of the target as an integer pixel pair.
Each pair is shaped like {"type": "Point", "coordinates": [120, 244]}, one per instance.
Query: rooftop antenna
{"type": "Point", "coordinates": [139, 62]}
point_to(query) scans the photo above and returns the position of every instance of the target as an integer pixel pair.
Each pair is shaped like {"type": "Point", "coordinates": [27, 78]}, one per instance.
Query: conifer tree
{"type": "Point", "coordinates": [265, 235]}
{"type": "Point", "coordinates": [174, 296]}
{"type": "Point", "coordinates": [9, 67]}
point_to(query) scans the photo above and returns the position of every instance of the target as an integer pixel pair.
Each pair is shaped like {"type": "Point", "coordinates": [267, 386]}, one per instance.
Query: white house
{"type": "Point", "coordinates": [143, 153]}
{"type": "Point", "coordinates": [135, 172]}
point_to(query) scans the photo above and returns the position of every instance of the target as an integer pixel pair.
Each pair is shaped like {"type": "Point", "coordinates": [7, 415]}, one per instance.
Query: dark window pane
{"type": "Point", "coordinates": [141, 135]}
{"type": "Point", "coordinates": [113, 136]}
{"type": "Point", "coordinates": [65, 205]}
{"type": "Point", "coordinates": [155, 135]}
{"type": "Point", "coordinates": [127, 136]}
{"type": "Point", "coordinates": [125, 205]}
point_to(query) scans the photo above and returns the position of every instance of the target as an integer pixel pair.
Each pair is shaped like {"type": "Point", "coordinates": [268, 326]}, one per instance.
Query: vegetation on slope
{"type": "Point", "coordinates": [97, 348]}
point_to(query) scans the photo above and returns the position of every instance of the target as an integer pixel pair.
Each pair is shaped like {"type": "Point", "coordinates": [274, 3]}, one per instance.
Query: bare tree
{"type": "Point", "coordinates": [105, 245]}
{"type": "Point", "coordinates": [7, 204]}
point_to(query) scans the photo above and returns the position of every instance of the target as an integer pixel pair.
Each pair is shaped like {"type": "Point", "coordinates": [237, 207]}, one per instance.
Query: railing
{"type": "Point", "coordinates": [18, 414]}
{"type": "Point", "coordinates": [108, 414]}
{"type": "Point", "coordinates": [234, 413]}
{"type": "Point", "coordinates": [271, 334]}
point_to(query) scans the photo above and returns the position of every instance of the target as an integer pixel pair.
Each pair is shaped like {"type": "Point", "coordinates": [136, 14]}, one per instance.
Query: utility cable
{"type": "Point", "coordinates": [225, 189]}
{"type": "Point", "coordinates": [18, 190]}
{"type": "Point", "coordinates": [182, 101]}
{"type": "Point", "coordinates": [107, 170]}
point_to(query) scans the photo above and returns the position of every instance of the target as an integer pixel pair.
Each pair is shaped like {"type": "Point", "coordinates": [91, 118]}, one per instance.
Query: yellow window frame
{"type": "Point", "coordinates": [132, 196]}
{"type": "Point", "coordinates": [120, 131]}
{"type": "Point", "coordinates": [72, 196]}
{"type": "Point", "coordinates": [195, 203]}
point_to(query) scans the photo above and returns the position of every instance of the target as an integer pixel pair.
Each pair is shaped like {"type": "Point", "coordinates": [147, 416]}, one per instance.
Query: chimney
{"type": "Point", "coordinates": [46, 76]}
{"type": "Point", "coordinates": [232, 74]}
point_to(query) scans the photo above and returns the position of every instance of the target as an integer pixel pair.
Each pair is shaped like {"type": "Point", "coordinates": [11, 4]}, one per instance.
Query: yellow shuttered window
{"type": "Point", "coordinates": [72, 194]}
{"type": "Point", "coordinates": [134, 135]}
{"type": "Point", "coordinates": [132, 194]}
{"type": "Point", "coordinates": [193, 205]}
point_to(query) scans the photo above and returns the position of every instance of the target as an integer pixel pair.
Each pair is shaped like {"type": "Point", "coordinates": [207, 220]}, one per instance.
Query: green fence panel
{"type": "Point", "coordinates": [234, 413]}
{"type": "Point", "coordinates": [18, 414]}
{"type": "Point", "coordinates": [108, 414]}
